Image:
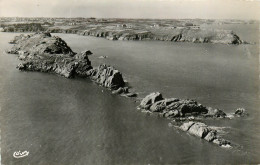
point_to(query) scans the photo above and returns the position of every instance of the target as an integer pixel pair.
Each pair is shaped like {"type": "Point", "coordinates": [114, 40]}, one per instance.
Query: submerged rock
{"type": "Point", "coordinates": [131, 94]}
{"type": "Point", "coordinates": [103, 57]}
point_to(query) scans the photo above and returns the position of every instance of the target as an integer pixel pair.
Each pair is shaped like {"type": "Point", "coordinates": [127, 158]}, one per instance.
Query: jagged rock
{"type": "Point", "coordinates": [107, 76]}
{"type": "Point", "coordinates": [240, 112]}
{"type": "Point", "coordinates": [83, 55]}
{"type": "Point", "coordinates": [151, 99]}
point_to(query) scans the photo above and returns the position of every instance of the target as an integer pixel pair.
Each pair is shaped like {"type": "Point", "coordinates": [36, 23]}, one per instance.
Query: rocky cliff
{"type": "Point", "coordinates": [174, 35]}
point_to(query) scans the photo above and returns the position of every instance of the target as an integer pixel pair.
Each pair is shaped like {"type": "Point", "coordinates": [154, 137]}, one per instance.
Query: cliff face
{"type": "Point", "coordinates": [174, 35]}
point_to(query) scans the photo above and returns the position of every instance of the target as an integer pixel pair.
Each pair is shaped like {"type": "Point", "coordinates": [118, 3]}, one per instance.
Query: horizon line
{"type": "Point", "coordinates": [134, 18]}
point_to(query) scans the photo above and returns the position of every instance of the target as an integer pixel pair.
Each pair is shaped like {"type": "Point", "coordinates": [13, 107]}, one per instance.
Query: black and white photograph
{"type": "Point", "coordinates": [129, 82]}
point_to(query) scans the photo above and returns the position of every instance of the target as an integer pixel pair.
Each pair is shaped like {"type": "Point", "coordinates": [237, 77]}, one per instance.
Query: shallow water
{"type": "Point", "coordinates": [74, 121]}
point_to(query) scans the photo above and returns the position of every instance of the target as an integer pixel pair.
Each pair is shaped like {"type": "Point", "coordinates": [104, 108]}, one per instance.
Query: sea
{"type": "Point", "coordinates": [75, 121]}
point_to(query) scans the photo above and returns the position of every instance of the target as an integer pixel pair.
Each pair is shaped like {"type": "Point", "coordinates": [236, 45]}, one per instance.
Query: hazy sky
{"type": "Point", "coordinates": [235, 9]}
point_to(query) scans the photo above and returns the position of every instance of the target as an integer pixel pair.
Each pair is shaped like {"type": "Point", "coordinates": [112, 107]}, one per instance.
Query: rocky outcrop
{"type": "Point", "coordinates": [107, 76]}
{"type": "Point", "coordinates": [176, 108]}
{"type": "Point", "coordinates": [205, 132]}
{"type": "Point", "coordinates": [44, 53]}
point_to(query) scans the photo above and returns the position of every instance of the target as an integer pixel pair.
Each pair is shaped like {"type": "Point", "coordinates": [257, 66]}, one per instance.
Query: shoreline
{"type": "Point", "coordinates": [195, 31]}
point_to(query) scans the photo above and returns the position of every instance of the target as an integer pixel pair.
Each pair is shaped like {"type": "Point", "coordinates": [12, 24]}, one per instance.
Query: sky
{"type": "Point", "coordinates": [168, 9]}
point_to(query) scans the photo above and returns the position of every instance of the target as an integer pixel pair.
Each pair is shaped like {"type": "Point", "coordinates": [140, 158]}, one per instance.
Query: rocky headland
{"type": "Point", "coordinates": [45, 53]}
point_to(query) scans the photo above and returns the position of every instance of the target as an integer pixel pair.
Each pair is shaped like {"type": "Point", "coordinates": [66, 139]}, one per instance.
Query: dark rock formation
{"type": "Point", "coordinates": [44, 53]}
{"type": "Point", "coordinates": [205, 132]}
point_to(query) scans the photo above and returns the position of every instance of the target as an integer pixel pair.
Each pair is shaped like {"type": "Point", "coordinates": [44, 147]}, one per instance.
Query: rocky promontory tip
{"type": "Point", "coordinates": [107, 76]}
